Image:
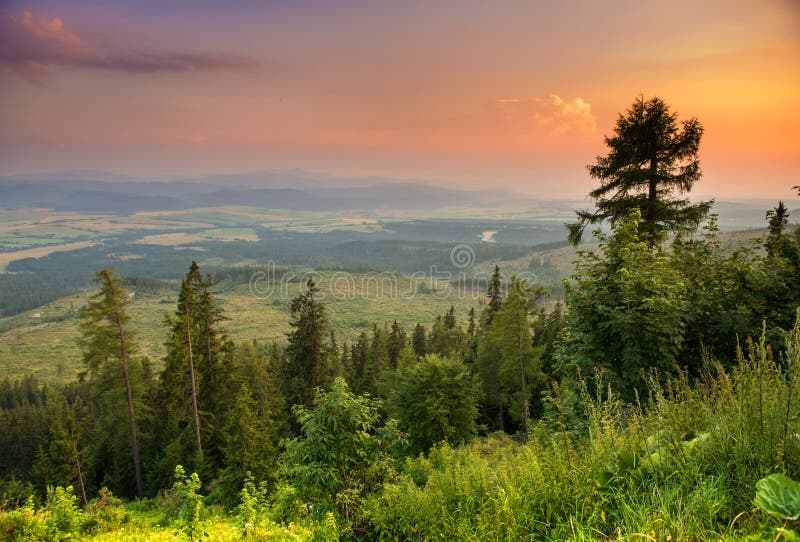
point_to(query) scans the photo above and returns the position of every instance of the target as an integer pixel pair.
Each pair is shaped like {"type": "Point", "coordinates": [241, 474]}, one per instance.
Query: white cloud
{"type": "Point", "coordinates": [552, 114]}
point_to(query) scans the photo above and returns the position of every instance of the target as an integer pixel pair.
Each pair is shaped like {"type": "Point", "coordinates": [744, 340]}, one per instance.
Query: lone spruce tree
{"type": "Point", "coordinates": [180, 379]}
{"type": "Point", "coordinates": [194, 395]}
{"type": "Point", "coordinates": [488, 358]}
{"type": "Point", "coordinates": [307, 351]}
{"type": "Point", "coordinates": [650, 159]}
{"type": "Point", "coordinates": [215, 368]}
{"type": "Point", "coordinates": [419, 340]}
{"type": "Point", "coordinates": [495, 295]}
{"type": "Point", "coordinates": [107, 344]}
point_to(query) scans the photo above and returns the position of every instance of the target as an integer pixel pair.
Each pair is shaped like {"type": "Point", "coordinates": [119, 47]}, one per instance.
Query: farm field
{"type": "Point", "coordinates": [22, 229]}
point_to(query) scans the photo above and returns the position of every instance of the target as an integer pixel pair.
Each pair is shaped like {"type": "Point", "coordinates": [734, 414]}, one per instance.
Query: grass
{"type": "Point", "coordinates": [142, 521]}
{"type": "Point", "coordinates": [221, 217]}
{"type": "Point", "coordinates": [30, 228]}
{"type": "Point", "coordinates": [683, 467]}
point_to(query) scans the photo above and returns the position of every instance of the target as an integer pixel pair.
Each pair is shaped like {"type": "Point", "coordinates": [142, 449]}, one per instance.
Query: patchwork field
{"type": "Point", "coordinates": [171, 239]}
{"type": "Point", "coordinates": [230, 234]}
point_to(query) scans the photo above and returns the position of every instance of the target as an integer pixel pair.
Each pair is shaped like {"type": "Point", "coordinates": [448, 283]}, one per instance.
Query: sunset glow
{"type": "Point", "coordinates": [512, 94]}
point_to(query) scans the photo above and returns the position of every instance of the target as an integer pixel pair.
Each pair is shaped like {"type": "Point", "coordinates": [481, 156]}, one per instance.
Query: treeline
{"type": "Point", "coordinates": [25, 291]}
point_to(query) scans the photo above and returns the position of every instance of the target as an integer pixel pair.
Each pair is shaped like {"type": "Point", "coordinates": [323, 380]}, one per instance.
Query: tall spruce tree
{"type": "Point", "coordinates": [64, 458]}
{"type": "Point", "coordinates": [179, 383]}
{"type": "Point", "coordinates": [397, 341]}
{"type": "Point", "coordinates": [447, 338]}
{"type": "Point", "coordinates": [194, 391]}
{"type": "Point", "coordinates": [377, 362]}
{"type": "Point", "coordinates": [346, 362]}
{"type": "Point", "coordinates": [495, 295]}
{"type": "Point", "coordinates": [449, 319]}
{"type": "Point", "coordinates": [307, 350]}
{"type": "Point", "coordinates": [419, 340]}
{"type": "Point", "coordinates": [335, 365]}
{"type": "Point", "coordinates": [783, 255]}
{"type": "Point", "coordinates": [472, 338]}
{"type": "Point", "coordinates": [487, 358]}
{"type": "Point", "coordinates": [519, 363]}
{"type": "Point", "coordinates": [251, 444]}
{"type": "Point", "coordinates": [359, 358]}
{"type": "Point", "coordinates": [650, 158]}
{"type": "Point", "coordinates": [109, 354]}
{"type": "Point", "coordinates": [777, 222]}
{"type": "Point", "coordinates": [215, 367]}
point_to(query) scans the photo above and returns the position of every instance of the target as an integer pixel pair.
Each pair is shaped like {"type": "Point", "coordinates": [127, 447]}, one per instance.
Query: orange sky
{"type": "Point", "coordinates": [513, 94]}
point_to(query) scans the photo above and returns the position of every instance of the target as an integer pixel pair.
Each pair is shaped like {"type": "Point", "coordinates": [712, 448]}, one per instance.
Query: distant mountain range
{"type": "Point", "coordinates": [95, 191]}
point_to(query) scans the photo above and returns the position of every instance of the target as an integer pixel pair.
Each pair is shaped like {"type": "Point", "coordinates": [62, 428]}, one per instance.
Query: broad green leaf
{"type": "Point", "coordinates": [779, 496]}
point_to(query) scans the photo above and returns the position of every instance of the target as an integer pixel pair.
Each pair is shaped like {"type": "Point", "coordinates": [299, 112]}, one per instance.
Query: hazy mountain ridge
{"type": "Point", "coordinates": [279, 189]}
{"type": "Point", "coordinates": [291, 189]}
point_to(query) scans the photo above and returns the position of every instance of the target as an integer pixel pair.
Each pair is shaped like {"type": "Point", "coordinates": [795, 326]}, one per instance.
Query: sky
{"type": "Point", "coordinates": [507, 94]}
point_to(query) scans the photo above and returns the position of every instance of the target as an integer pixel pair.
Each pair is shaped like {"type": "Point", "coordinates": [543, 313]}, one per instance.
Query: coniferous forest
{"type": "Point", "coordinates": [659, 401]}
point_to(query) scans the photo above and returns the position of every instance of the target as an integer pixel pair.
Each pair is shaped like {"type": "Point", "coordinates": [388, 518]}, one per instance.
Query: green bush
{"type": "Point", "coordinates": [253, 502]}
{"type": "Point", "coordinates": [63, 518]}
{"type": "Point", "coordinates": [490, 489]}
{"type": "Point", "coordinates": [343, 454]}
{"type": "Point", "coordinates": [23, 524]}
{"type": "Point", "coordinates": [434, 400]}
{"type": "Point", "coordinates": [191, 521]}
{"type": "Point", "coordinates": [105, 512]}
{"type": "Point", "coordinates": [14, 493]}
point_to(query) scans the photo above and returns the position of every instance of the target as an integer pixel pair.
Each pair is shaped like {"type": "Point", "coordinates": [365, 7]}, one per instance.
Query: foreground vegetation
{"type": "Point", "coordinates": [683, 468]}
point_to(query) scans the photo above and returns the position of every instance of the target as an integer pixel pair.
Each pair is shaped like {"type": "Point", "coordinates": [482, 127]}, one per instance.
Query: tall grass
{"type": "Point", "coordinates": [683, 467]}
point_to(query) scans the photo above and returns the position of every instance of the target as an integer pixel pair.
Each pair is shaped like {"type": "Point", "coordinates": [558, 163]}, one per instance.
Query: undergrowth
{"type": "Point", "coordinates": [684, 467]}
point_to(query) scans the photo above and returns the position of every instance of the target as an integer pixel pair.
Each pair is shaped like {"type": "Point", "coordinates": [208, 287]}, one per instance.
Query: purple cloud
{"type": "Point", "coordinates": [30, 45]}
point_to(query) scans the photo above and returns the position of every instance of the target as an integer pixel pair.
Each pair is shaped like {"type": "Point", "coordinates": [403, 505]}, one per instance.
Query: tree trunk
{"type": "Point", "coordinates": [649, 214]}
{"type": "Point", "coordinates": [194, 387]}
{"type": "Point", "coordinates": [524, 392]}
{"type": "Point", "coordinates": [81, 486]}
{"type": "Point", "coordinates": [499, 405]}
{"type": "Point", "coordinates": [137, 463]}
